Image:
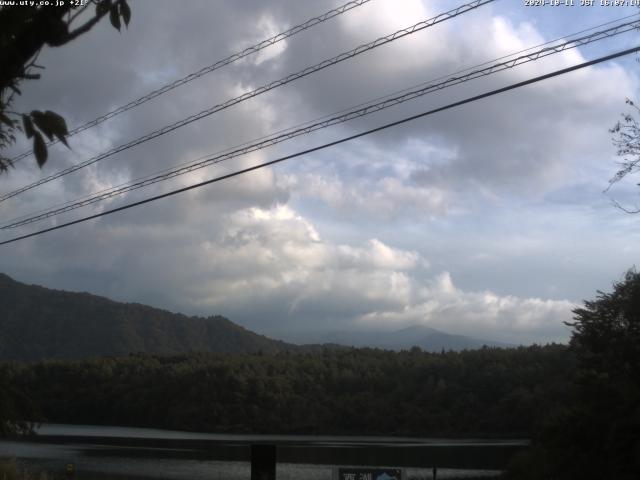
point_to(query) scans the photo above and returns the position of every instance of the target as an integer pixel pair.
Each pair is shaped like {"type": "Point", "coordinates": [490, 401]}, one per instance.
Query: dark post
{"type": "Point", "coordinates": [263, 462]}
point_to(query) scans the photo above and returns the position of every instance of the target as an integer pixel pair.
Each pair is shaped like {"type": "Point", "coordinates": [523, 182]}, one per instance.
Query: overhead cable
{"type": "Point", "coordinates": [208, 69]}
{"type": "Point", "coordinates": [331, 144]}
{"type": "Point", "coordinates": [341, 118]}
{"type": "Point", "coordinates": [258, 91]}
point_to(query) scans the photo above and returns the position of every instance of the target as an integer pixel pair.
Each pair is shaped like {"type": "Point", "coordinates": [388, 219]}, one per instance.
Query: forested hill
{"type": "Point", "coordinates": [487, 392]}
{"type": "Point", "coordinates": [38, 323]}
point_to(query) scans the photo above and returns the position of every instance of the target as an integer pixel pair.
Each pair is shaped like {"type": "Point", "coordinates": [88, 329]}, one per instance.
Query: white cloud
{"type": "Point", "coordinates": [268, 27]}
{"type": "Point", "coordinates": [456, 188]}
{"type": "Point", "coordinates": [382, 198]}
{"type": "Point", "coordinates": [273, 269]}
{"type": "Point", "coordinates": [439, 304]}
{"type": "Point", "coordinates": [277, 253]}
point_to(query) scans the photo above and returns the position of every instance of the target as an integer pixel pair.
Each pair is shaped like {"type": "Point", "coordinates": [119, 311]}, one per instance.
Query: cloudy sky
{"type": "Point", "coordinates": [486, 220]}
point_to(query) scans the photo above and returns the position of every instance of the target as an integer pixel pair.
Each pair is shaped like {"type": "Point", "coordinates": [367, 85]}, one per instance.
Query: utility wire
{"type": "Point", "coordinates": [487, 62]}
{"type": "Point", "coordinates": [208, 69]}
{"type": "Point", "coordinates": [467, 69]}
{"type": "Point", "coordinates": [309, 128]}
{"type": "Point", "coordinates": [157, 173]}
{"type": "Point", "coordinates": [194, 164]}
{"type": "Point", "coordinates": [308, 122]}
{"type": "Point", "coordinates": [336, 142]}
{"type": "Point", "coordinates": [265, 88]}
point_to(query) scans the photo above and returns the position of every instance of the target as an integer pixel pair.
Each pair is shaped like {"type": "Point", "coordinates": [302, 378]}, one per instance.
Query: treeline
{"type": "Point", "coordinates": [488, 392]}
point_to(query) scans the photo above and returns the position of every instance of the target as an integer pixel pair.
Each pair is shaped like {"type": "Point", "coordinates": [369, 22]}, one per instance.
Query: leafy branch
{"type": "Point", "coordinates": [626, 138]}
{"type": "Point", "coordinates": [23, 34]}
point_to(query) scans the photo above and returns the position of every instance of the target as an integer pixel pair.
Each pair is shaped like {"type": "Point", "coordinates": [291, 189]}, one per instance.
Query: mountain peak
{"type": "Point", "coordinates": [6, 278]}
{"type": "Point", "coordinates": [427, 338]}
{"type": "Point", "coordinates": [43, 323]}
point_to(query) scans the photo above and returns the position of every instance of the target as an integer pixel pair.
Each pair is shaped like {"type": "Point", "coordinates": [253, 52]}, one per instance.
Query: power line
{"type": "Point", "coordinates": [407, 89]}
{"type": "Point", "coordinates": [208, 69]}
{"type": "Point", "coordinates": [323, 117]}
{"type": "Point", "coordinates": [292, 132]}
{"type": "Point", "coordinates": [124, 187]}
{"type": "Point", "coordinates": [336, 142]}
{"type": "Point", "coordinates": [312, 127]}
{"type": "Point", "coordinates": [258, 91]}
{"type": "Point", "coordinates": [487, 62]}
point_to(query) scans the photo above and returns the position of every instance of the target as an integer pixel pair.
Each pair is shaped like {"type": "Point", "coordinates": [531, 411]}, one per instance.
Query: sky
{"type": "Point", "coordinates": [486, 220]}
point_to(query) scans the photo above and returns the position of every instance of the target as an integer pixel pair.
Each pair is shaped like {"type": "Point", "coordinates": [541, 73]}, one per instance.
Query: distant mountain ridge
{"type": "Point", "coordinates": [38, 323]}
{"type": "Point", "coordinates": [427, 338]}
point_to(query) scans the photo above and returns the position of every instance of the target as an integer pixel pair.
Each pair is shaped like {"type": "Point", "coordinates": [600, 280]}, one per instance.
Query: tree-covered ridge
{"type": "Point", "coordinates": [38, 323]}
{"type": "Point", "coordinates": [497, 392]}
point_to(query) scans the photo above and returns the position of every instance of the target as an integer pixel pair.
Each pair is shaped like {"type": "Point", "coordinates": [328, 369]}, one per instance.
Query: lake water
{"type": "Point", "coordinates": [108, 452]}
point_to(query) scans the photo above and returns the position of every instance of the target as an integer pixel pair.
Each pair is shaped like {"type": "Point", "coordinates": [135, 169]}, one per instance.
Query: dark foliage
{"type": "Point", "coordinates": [596, 432]}
{"type": "Point", "coordinates": [24, 31]}
{"type": "Point", "coordinates": [626, 138]}
{"type": "Point", "coordinates": [17, 410]}
{"type": "Point", "coordinates": [495, 392]}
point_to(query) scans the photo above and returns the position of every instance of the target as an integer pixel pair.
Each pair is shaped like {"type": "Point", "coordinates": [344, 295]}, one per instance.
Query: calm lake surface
{"type": "Point", "coordinates": [118, 452]}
